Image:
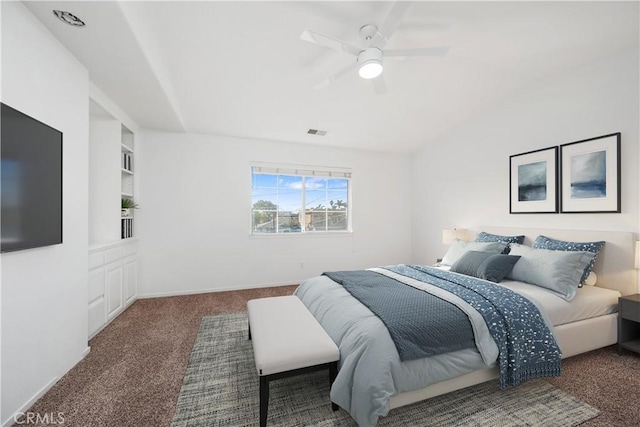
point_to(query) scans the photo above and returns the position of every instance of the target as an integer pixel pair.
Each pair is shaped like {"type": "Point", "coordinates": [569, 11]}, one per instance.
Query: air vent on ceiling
{"type": "Point", "coordinates": [317, 132]}
{"type": "Point", "coordinates": [68, 18]}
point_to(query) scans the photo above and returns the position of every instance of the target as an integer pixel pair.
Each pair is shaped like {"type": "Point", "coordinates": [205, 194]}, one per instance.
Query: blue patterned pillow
{"type": "Point", "coordinates": [543, 242]}
{"type": "Point", "coordinates": [487, 237]}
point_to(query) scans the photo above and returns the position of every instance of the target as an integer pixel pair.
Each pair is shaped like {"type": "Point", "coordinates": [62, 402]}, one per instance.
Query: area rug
{"type": "Point", "coordinates": [220, 388]}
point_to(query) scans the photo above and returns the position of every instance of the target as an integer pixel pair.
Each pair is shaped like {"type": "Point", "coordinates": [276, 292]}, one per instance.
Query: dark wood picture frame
{"type": "Point", "coordinates": [533, 182]}
{"type": "Point", "coordinates": [590, 175]}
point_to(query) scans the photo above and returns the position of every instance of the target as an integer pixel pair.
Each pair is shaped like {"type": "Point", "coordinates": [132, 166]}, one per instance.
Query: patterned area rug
{"type": "Point", "coordinates": [220, 388]}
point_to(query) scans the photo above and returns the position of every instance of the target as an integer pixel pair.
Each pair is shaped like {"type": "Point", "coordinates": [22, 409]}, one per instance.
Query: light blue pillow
{"type": "Point", "coordinates": [558, 271]}
{"type": "Point", "coordinates": [543, 242]}
{"type": "Point", "coordinates": [460, 247]}
{"type": "Point", "coordinates": [487, 237]}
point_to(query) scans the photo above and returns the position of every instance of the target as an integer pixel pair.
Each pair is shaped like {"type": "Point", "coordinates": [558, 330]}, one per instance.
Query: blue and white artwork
{"type": "Point", "coordinates": [589, 175]}
{"type": "Point", "coordinates": [532, 182]}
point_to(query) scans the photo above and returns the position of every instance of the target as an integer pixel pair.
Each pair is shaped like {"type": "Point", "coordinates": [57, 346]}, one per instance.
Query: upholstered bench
{"type": "Point", "coordinates": [287, 341]}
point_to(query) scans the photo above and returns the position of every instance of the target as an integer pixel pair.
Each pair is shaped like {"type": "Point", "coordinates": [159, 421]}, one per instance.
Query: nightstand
{"type": "Point", "coordinates": [629, 323]}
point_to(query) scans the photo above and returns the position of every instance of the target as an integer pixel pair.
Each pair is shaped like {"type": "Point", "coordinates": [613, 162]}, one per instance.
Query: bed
{"type": "Point", "coordinates": [587, 323]}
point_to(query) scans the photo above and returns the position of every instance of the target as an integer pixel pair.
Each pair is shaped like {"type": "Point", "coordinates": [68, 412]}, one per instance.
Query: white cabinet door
{"type": "Point", "coordinates": [130, 279]}
{"type": "Point", "coordinates": [97, 314]}
{"type": "Point", "coordinates": [96, 284]}
{"type": "Point", "coordinates": [114, 281]}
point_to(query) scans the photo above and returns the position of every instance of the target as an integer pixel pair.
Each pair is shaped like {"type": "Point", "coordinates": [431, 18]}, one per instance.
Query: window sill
{"type": "Point", "coordinates": [314, 234]}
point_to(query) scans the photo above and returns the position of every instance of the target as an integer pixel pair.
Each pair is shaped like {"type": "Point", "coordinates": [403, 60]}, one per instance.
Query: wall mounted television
{"type": "Point", "coordinates": [31, 182]}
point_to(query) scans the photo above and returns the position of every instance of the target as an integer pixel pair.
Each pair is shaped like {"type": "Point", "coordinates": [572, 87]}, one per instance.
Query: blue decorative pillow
{"type": "Point", "coordinates": [487, 237]}
{"type": "Point", "coordinates": [485, 265]}
{"type": "Point", "coordinates": [558, 271]}
{"type": "Point", "coordinates": [543, 242]}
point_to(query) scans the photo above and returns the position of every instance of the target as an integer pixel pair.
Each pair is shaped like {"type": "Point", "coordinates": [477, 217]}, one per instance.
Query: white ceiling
{"type": "Point", "coordinates": [240, 68]}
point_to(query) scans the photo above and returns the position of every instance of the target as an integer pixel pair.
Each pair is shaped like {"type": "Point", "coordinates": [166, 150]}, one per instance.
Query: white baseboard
{"type": "Point", "coordinates": [25, 407]}
{"type": "Point", "coordinates": [207, 291]}
{"type": "Point", "coordinates": [84, 353]}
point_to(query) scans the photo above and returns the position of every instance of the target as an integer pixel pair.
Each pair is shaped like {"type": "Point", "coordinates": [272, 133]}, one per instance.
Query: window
{"type": "Point", "coordinates": [297, 200]}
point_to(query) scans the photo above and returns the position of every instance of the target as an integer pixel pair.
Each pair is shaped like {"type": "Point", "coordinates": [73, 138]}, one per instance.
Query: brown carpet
{"type": "Point", "coordinates": [133, 374]}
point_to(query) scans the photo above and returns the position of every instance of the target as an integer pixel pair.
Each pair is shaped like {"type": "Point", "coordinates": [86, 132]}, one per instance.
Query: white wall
{"type": "Point", "coordinates": [44, 290]}
{"type": "Point", "coordinates": [194, 216]}
{"type": "Point", "coordinates": [104, 180]}
{"type": "Point", "coordinates": [462, 180]}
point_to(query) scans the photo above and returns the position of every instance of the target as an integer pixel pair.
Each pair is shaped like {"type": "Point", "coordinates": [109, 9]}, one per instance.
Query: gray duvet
{"type": "Point", "coordinates": [370, 368]}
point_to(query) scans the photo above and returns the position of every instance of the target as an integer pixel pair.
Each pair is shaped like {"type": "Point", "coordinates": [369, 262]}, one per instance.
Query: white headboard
{"type": "Point", "coordinates": [615, 264]}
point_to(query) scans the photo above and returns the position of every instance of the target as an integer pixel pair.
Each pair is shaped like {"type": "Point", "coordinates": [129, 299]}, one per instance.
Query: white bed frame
{"type": "Point", "coordinates": [615, 270]}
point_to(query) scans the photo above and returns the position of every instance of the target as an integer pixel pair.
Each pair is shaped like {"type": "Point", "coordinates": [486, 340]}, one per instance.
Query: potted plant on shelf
{"type": "Point", "coordinates": [126, 206]}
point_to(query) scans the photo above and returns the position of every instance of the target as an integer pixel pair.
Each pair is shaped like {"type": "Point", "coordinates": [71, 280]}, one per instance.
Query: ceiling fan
{"type": "Point", "coordinates": [370, 56]}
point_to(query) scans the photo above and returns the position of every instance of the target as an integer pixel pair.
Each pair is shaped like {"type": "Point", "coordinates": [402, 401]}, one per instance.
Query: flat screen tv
{"type": "Point", "coordinates": [31, 170]}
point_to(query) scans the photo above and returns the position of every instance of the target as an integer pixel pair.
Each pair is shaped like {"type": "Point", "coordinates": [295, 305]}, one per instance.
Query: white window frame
{"type": "Point", "coordinates": [303, 171]}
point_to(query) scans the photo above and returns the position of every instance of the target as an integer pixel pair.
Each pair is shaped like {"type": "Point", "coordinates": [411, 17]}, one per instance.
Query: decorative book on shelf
{"type": "Point", "coordinates": [127, 162]}
{"type": "Point", "coordinates": [126, 228]}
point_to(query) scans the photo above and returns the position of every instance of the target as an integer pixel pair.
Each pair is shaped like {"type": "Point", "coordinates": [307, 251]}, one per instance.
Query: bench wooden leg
{"type": "Point", "coordinates": [264, 385]}
{"type": "Point", "coordinates": [264, 400]}
{"type": "Point", "coordinates": [333, 372]}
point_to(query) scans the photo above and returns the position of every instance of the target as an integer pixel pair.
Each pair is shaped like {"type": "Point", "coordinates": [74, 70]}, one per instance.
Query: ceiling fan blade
{"type": "Point", "coordinates": [326, 82]}
{"type": "Point", "coordinates": [392, 20]}
{"type": "Point", "coordinates": [331, 43]}
{"type": "Point", "coordinates": [380, 85]}
{"type": "Point", "coordinates": [419, 51]}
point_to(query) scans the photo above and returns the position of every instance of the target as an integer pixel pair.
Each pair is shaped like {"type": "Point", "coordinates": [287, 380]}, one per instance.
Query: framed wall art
{"type": "Point", "coordinates": [591, 175]}
{"type": "Point", "coordinates": [533, 181]}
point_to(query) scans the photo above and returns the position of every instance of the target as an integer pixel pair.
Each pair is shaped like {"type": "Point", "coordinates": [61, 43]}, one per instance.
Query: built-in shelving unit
{"type": "Point", "coordinates": [113, 249]}
{"type": "Point", "coordinates": [126, 182]}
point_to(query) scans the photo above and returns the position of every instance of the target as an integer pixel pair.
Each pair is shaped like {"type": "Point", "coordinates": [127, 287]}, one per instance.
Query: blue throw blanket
{"type": "Point", "coordinates": [527, 346]}
{"type": "Point", "coordinates": [420, 324]}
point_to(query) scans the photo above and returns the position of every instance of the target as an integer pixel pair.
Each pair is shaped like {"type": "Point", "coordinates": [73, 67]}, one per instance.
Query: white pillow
{"type": "Point", "coordinates": [461, 247]}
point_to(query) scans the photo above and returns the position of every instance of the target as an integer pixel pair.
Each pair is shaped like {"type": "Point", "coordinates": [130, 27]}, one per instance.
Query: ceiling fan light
{"type": "Point", "coordinates": [370, 61]}
{"type": "Point", "coordinates": [370, 69]}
